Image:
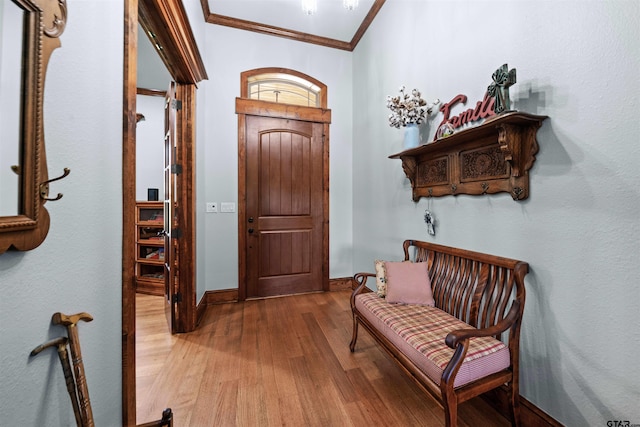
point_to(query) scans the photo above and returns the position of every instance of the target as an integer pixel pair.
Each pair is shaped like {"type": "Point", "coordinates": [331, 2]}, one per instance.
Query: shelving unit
{"type": "Point", "coordinates": [149, 248]}
{"type": "Point", "coordinates": [493, 157]}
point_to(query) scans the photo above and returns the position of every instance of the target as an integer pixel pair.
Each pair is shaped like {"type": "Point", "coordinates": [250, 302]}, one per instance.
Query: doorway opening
{"type": "Point", "coordinates": [167, 23]}
{"type": "Point", "coordinates": [283, 191]}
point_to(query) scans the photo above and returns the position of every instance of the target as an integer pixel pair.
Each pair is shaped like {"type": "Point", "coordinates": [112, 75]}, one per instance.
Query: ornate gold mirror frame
{"type": "Point", "coordinates": [25, 224]}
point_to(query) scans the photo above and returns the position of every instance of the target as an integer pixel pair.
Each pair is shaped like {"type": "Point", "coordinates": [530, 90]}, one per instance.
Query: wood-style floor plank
{"type": "Point", "coordinates": [279, 362]}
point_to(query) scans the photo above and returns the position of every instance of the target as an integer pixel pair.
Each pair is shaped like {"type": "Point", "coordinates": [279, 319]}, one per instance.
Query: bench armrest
{"type": "Point", "coordinates": [456, 337]}
{"type": "Point", "coordinates": [361, 281]}
{"type": "Point", "coordinates": [459, 341]}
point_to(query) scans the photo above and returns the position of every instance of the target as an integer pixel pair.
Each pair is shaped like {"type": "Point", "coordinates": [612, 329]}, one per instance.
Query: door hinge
{"type": "Point", "coordinates": [177, 298]}
{"type": "Point", "coordinates": [176, 169]}
{"type": "Point", "coordinates": [176, 104]}
{"type": "Point", "coordinates": [176, 233]}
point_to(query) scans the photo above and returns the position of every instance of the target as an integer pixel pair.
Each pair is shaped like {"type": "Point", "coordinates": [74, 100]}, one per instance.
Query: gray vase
{"type": "Point", "coordinates": [411, 136]}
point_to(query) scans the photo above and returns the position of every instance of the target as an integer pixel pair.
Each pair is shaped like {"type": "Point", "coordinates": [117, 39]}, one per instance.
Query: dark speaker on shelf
{"type": "Point", "coordinates": [152, 194]}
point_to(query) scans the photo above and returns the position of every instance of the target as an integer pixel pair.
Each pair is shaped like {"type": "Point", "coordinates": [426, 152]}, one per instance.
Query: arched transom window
{"type": "Point", "coordinates": [283, 86]}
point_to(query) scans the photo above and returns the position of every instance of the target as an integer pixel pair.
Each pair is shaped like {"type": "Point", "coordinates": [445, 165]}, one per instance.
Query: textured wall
{"type": "Point", "coordinates": [578, 63]}
{"type": "Point", "coordinates": [78, 267]}
{"type": "Point", "coordinates": [217, 153]}
{"type": "Point", "coordinates": [150, 146]}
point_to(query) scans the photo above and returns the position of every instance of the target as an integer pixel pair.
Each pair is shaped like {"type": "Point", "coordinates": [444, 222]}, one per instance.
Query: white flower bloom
{"type": "Point", "coordinates": [406, 109]}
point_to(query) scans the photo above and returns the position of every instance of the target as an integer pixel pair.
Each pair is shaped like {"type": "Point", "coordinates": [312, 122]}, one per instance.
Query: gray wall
{"type": "Point", "coordinates": [78, 267]}
{"type": "Point", "coordinates": [228, 53]}
{"type": "Point", "coordinates": [150, 146]}
{"type": "Point", "coordinates": [578, 63]}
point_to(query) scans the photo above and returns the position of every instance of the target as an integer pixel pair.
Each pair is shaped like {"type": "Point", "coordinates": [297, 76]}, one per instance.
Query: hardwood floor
{"type": "Point", "coordinates": [279, 361]}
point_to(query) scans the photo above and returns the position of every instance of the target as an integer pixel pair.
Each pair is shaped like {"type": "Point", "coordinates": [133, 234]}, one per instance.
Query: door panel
{"type": "Point", "coordinates": [284, 206]}
{"type": "Point", "coordinates": [170, 217]}
{"type": "Point", "coordinates": [285, 253]}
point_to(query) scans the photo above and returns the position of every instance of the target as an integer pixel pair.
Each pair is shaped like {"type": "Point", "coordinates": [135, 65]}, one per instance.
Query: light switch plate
{"type": "Point", "coordinates": [227, 207]}
{"type": "Point", "coordinates": [212, 207]}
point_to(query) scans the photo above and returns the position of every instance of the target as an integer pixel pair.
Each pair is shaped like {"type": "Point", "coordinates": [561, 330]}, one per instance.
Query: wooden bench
{"type": "Point", "coordinates": [459, 348]}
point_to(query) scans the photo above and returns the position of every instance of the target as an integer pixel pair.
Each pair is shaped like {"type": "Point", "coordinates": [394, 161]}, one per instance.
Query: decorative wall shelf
{"type": "Point", "coordinates": [494, 157]}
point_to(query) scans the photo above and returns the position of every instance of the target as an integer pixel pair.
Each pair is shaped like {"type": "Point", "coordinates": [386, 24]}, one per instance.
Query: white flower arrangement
{"type": "Point", "coordinates": [407, 109]}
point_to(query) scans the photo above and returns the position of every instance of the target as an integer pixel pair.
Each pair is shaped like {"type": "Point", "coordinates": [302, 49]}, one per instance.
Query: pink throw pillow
{"type": "Point", "coordinates": [408, 283]}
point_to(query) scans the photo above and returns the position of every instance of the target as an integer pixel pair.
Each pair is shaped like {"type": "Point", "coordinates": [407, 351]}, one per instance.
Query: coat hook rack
{"type": "Point", "coordinates": [44, 187]}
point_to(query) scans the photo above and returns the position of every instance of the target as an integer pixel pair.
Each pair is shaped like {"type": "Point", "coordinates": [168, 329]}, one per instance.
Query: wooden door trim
{"type": "Point", "coordinates": [245, 107]}
{"type": "Point", "coordinates": [186, 133]}
{"type": "Point", "coordinates": [167, 25]}
{"type": "Point", "coordinates": [128, 213]}
{"type": "Point", "coordinates": [253, 107]}
{"type": "Point", "coordinates": [167, 18]}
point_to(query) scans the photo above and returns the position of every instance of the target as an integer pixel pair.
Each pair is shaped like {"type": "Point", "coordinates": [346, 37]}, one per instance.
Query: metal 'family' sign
{"type": "Point", "coordinates": [496, 100]}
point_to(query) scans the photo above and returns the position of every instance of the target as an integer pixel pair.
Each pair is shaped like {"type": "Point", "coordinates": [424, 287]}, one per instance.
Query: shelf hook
{"type": "Point", "coordinates": [517, 193]}
{"type": "Point", "coordinates": [44, 187]}
{"type": "Point", "coordinates": [485, 187]}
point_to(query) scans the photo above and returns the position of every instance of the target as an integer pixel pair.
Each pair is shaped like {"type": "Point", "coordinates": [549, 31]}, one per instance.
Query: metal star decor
{"type": "Point", "coordinates": [499, 89]}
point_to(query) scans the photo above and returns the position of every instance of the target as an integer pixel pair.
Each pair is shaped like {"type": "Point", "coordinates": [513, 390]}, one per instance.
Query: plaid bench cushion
{"type": "Point", "coordinates": [419, 333]}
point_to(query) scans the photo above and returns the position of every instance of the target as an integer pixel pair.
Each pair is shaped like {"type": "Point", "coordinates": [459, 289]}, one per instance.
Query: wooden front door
{"type": "Point", "coordinates": [284, 208]}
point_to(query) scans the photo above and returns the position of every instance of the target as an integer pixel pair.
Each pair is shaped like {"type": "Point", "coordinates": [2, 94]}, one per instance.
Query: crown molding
{"type": "Point", "coordinates": [256, 27]}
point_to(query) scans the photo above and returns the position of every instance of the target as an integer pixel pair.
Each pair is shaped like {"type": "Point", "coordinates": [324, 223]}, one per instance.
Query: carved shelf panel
{"type": "Point", "coordinates": [494, 157]}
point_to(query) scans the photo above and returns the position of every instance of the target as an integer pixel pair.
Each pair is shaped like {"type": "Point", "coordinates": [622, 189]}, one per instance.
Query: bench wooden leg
{"type": "Point", "coordinates": [514, 402]}
{"type": "Point", "coordinates": [450, 412]}
{"type": "Point", "coordinates": [450, 405]}
{"type": "Point", "coordinates": [354, 336]}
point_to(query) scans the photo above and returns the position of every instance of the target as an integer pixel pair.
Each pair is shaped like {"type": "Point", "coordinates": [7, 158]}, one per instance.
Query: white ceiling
{"type": "Point", "coordinates": [331, 20]}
